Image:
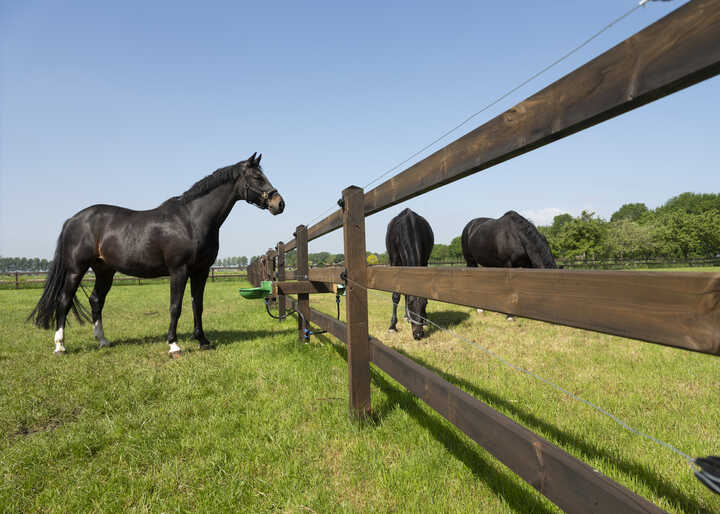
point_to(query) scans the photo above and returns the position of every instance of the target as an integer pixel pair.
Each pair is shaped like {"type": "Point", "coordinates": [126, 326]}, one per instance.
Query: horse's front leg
{"type": "Point", "coordinates": [197, 289]}
{"type": "Point", "coordinates": [393, 319]}
{"type": "Point", "coordinates": [178, 281]}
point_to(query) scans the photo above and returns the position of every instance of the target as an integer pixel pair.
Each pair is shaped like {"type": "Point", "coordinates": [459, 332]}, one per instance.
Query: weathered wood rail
{"type": "Point", "coordinates": [674, 309]}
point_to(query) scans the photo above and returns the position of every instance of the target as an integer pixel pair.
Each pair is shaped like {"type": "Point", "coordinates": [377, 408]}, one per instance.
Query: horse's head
{"type": "Point", "coordinates": [254, 187]}
{"type": "Point", "coordinates": [416, 306]}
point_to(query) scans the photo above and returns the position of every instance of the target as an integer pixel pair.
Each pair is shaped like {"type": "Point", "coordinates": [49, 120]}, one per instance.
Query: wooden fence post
{"type": "Point", "coordinates": [281, 277]}
{"type": "Point", "coordinates": [17, 281]}
{"type": "Point", "coordinates": [353, 203]}
{"type": "Point", "coordinates": [301, 273]}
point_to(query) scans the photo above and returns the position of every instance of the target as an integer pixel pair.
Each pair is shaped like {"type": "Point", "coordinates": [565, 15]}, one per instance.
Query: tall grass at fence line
{"type": "Point", "coordinates": [261, 423]}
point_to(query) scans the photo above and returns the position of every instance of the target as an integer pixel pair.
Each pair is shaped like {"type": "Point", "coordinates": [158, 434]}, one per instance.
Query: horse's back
{"type": "Point", "coordinates": [409, 239]}
{"type": "Point", "coordinates": [139, 243]}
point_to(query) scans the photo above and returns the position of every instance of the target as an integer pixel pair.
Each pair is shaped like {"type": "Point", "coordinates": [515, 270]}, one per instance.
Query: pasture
{"type": "Point", "coordinates": [261, 423]}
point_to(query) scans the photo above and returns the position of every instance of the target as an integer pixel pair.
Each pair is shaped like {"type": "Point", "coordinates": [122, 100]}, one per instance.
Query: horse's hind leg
{"type": "Point", "coordinates": [197, 290]}
{"type": "Point", "coordinates": [103, 283]}
{"type": "Point", "coordinates": [65, 302]}
{"type": "Point", "coordinates": [393, 319]}
{"type": "Point", "coordinates": [178, 281]}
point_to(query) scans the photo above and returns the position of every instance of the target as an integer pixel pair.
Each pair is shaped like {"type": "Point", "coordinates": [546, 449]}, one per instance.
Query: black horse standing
{"type": "Point", "coordinates": [507, 242]}
{"type": "Point", "coordinates": [180, 238]}
{"type": "Point", "coordinates": [409, 241]}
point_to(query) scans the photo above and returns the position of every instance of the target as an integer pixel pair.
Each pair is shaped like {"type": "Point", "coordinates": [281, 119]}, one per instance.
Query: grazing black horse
{"type": "Point", "coordinates": [409, 241]}
{"type": "Point", "coordinates": [180, 238]}
{"type": "Point", "coordinates": [507, 242]}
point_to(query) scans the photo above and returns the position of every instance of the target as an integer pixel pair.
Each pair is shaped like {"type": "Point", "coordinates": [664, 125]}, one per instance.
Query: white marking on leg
{"type": "Point", "coordinates": [174, 348]}
{"type": "Point", "coordinates": [480, 311]}
{"type": "Point", "coordinates": [60, 340]}
{"type": "Point", "coordinates": [100, 334]}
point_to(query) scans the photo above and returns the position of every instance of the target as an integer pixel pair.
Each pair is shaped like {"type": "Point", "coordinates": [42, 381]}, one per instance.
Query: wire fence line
{"type": "Point", "coordinates": [467, 340]}
{"type": "Point", "coordinates": [496, 101]}
{"type": "Point", "coordinates": [36, 279]}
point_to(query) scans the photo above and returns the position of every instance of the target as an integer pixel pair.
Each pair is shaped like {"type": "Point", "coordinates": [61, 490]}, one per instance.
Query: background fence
{"type": "Point", "coordinates": [36, 279]}
{"type": "Point", "coordinates": [676, 309]}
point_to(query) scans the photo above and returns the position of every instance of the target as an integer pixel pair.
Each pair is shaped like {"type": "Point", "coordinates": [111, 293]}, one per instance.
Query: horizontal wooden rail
{"type": "Point", "coordinates": [304, 286]}
{"type": "Point", "coordinates": [679, 50]}
{"type": "Point", "coordinates": [671, 308]}
{"type": "Point", "coordinates": [331, 274]}
{"type": "Point", "coordinates": [566, 481]}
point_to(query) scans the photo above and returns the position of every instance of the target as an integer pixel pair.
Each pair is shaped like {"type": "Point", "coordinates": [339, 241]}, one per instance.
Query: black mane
{"type": "Point", "coordinates": [215, 179]}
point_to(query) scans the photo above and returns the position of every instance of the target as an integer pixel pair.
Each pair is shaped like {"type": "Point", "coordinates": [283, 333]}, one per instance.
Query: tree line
{"type": "Point", "coordinates": [686, 226]}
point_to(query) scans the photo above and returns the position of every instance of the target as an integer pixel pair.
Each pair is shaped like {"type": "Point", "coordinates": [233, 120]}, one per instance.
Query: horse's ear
{"type": "Point", "coordinates": [251, 161]}
{"type": "Point", "coordinates": [257, 161]}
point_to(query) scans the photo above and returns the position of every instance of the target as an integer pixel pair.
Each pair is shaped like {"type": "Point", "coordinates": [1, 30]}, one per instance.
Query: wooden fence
{"type": "Point", "coordinates": [676, 309]}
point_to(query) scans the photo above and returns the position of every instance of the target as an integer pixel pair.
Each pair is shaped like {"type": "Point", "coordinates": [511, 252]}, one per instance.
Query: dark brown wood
{"type": "Point", "coordinates": [282, 299]}
{"type": "Point", "coordinates": [676, 309]}
{"type": "Point", "coordinates": [301, 273]}
{"type": "Point", "coordinates": [303, 286]}
{"type": "Point", "coordinates": [331, 274]}
{"type": "Point", "coordinates": [357, 304]}
{"type": "Point", "coordinates": [566, 481]}
{"type": "Point", "coordinates": [680, 50]}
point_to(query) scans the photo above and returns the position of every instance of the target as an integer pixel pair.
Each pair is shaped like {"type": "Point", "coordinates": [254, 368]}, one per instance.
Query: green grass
{"type": "Point", "coordinates": [261, 423]}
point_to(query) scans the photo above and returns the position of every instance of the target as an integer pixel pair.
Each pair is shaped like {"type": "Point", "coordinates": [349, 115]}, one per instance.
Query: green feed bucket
{"type": "Point", "coordinates": [253, 293]}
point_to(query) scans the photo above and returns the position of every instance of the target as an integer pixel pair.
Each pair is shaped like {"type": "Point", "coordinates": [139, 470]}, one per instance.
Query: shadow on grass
{"type": "Point", "coordinates": [465, 450]}
{"type": "Point", "coordinates": [647, 476]}
{"type": "Point", "coordinates": [445, 319]}
{"type": "Point", "coordinates": [186, 339]}
{"type": "Point", "coordinates": [462, 448]}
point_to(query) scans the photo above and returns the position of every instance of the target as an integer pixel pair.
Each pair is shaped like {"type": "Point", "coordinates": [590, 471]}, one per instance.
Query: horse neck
{"type": "Point", "coordinates": [211, 209]}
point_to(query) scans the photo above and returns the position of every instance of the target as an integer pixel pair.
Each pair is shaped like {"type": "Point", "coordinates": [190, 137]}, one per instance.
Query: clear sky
{"type": "Point", "coordinates": [129, 103]}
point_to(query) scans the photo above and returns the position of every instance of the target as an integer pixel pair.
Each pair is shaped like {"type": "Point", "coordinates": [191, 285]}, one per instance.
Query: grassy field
{"type": "Point", "coordinates": [261, 423]}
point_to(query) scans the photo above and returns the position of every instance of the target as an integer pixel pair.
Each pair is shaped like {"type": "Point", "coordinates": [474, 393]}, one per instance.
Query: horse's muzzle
{"type": "Point", "coordinates": [276, 204]}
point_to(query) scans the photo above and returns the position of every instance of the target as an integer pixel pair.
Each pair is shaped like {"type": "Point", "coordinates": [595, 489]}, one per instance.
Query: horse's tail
{"type": "Point", "coordinates": [44, 313]}
{"type": "Point", "coordinates": [465, 245]}
{"type": "Point", "coordinates": [535, 244]}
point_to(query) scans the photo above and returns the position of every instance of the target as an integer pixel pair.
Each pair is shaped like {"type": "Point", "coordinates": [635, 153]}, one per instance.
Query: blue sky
{"type": "Point", "coordinates": [131, 103]}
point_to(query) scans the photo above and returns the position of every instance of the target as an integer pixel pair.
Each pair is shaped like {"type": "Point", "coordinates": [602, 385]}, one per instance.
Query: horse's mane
{"type": "Point", "coordinates": [217, 178]}
{"type": "Point", "coordinates": [537, 248]}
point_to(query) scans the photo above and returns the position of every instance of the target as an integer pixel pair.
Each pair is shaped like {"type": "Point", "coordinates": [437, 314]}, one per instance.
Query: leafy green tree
{"type": "Point", "coordinates": [559, 222]}
{"type": "Point", "coordinates": [627, 239]}
{"type": "Point", "coordinates": [440, 252]}
{"type": "Point", "coordinates": [629, 211]}
{"type": "Point", "coordinates": [455, 249]}
{"type": "Point", "coordinates": [582, 237]}
{"type": "Point", "coordinates": [691, 203]}
{"type": "Point", "coordinates": [677, 234]}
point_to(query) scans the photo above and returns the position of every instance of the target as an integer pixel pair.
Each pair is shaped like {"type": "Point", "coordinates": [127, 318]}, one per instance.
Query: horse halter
{"type": "Point", "coordinates": [264, 196]}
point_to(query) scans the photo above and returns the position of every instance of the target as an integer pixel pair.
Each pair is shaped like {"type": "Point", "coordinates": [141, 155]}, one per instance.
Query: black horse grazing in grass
{"type": "Point", "coordinates": [409, 241]}
{"type": "Point", "coordinates": [507, 242]}
{"type": "Point", "coordinates": [180, 239]}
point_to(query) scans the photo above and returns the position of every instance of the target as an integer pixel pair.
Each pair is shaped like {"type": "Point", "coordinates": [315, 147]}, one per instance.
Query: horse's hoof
{"type": "Point", "coordinates": [175, 355]}
{"type": "Point", "coordinates": [208, 346]}
{"type": "Point", "coordinates": [105, 343]}
{"type": "Point", "coordinates": [59, 353]}
{"type": "Point", "coordinates": [392, 330]}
